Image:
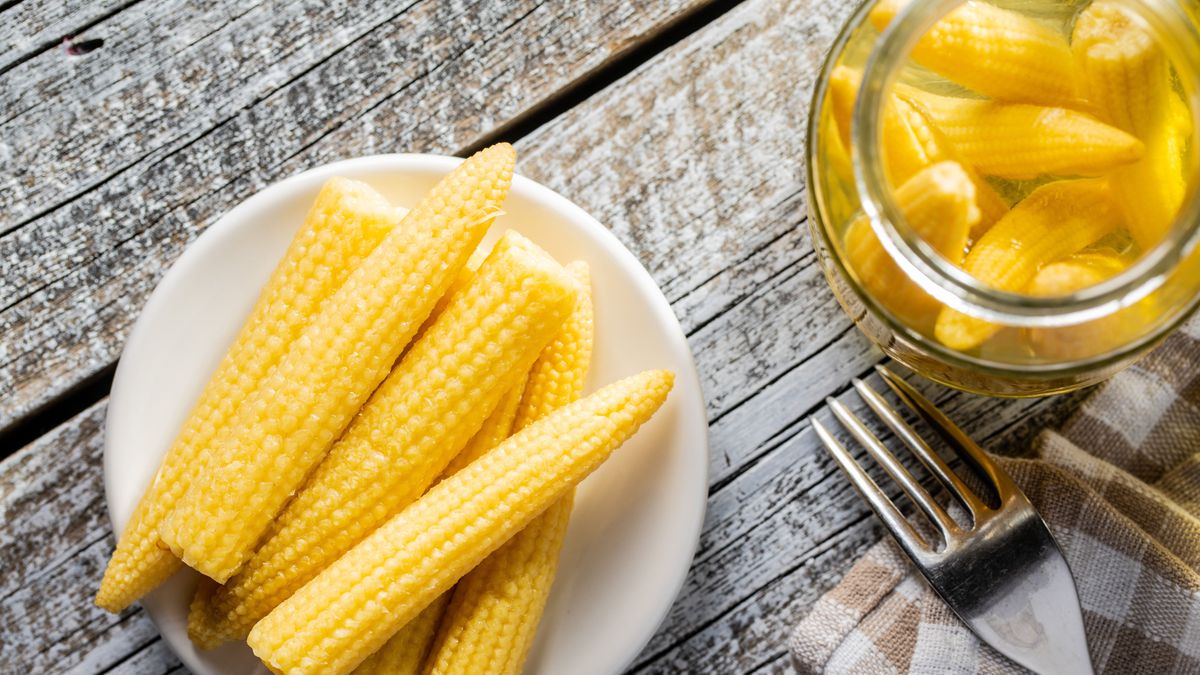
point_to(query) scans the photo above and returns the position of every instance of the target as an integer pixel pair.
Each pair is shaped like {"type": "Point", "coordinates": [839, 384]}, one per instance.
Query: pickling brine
{"type": "Point", "coordinates": [1003, 194]}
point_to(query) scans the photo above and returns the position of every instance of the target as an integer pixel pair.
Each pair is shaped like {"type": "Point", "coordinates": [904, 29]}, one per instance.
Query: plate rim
{"type": "Point", "coordinates": [230, 221]}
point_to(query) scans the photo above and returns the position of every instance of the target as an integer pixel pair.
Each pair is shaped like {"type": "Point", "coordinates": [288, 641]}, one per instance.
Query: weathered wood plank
{"type": "Point", "coordinates": [28, 27]}
{"type": "Point", "coordinates": [51, 501]}
{"type": "Point", "coordinates": [182, 115]}
{"type": "Point", "coordinates": [153, 659]}
{"type": "Point", "coordinates": [53, 548]}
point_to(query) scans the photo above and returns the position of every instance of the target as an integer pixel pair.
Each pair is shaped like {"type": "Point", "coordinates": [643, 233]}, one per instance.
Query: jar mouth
{"type": "Point", "coordinates": [950, 284]}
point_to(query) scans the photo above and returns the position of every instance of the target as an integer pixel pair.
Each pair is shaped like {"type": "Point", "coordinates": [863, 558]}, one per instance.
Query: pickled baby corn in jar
{"type": "Point", "coordinates": [1003, 193]}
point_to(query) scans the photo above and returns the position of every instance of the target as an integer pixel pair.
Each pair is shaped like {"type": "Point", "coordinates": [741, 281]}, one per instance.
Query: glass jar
{"type": "Point", "coordinates": [1038, 343]}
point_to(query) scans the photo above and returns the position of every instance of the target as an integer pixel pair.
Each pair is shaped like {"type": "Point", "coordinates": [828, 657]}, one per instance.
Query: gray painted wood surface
{"type": "Point", "coordinates": [111, 162]}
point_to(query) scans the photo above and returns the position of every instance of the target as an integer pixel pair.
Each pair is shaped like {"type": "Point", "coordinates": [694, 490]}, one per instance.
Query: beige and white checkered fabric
{"type": "Point", "coordinates": [1119, 486]}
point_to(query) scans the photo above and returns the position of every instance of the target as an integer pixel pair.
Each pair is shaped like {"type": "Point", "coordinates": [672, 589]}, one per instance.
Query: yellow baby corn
{"type": "Point", "coordinates": [344, 225]}
{"type": "Point", "coordinates": [406, 652]}
{"type": "Point", "coordinates": [201, 629]}
{"type": "Point", "coordinates": [910, 143]}
{"type": "Point", "coordinates": [843, 92]}
{"type": "Point", "coordinates": [939, 204]}
{"type": "Point", "coordinates": [282, 430]}
{"type": "Point", "coordinates": [1016, 140]}
{"type": "Point", "coordinates": [1124, 70]}
{"type": "Point", "coordinates": [1152, 191]}
{"type": "Point", "coordinates": [1091, 337]}
{"type": "Point", "coordinates": [496, 608]}
{"type": "Point", "coordinates": [348, 611]}
{"type": "Point", "coordinates": [1128, 81]}
{"type": "Point", "coordinates": [414, 424]}
{"type": "Point", "coordinates": [1054, 221]}
{"type": "Point", "coordinates": [1076, 272]}
{"type": "Point", "coordinates": [994, 51]}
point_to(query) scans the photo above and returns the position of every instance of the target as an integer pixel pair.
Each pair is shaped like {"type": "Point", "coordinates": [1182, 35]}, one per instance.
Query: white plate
{"type": "Point", "coordinates": [637, 519]}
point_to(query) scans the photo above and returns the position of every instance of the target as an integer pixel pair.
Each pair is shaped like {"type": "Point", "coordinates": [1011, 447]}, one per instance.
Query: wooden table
{"type": "Point", "coordinates": [677, 123]}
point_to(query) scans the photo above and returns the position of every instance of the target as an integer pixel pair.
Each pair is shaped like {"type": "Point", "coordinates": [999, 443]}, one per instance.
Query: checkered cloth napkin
{"type": "Point", "coordinates": [1119, 487]}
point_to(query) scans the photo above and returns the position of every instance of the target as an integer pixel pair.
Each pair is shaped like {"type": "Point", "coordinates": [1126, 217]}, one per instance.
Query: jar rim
{"type": "Point", "coordinates": [947, 282]}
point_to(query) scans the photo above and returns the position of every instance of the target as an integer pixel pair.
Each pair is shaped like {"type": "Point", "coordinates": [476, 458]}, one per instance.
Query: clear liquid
{"type": "Point", "coordinates": [1119, 244]}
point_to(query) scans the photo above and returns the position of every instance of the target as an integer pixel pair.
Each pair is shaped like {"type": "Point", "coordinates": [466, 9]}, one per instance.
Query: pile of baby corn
{"type": "Point", "coordinates": [1090, 120]}
{"type": "Point", "coordinates": [379, 475]}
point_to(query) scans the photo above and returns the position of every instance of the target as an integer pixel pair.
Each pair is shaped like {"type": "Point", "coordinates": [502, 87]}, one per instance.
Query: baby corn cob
{"type": "Point", "coordinates": [1128, 80]}
{"type": "Point", "coordinates": [843, 92]}
{"type": "Point", "coordinates": [996, 52]}
{"type": "Point", "coordinates": [282, 430]}
{"type": "Point", "coordinates": [407, 650]}
{"type": "Point", "coordinates": [345, 224]}
{"type": "Point", "coordinates": [1016, 140]}
{"type": "Point", "coordinates": [910, 143]}
{"type": "Point", "coordinates": [1076, 272]}
{"type": "Point", "coordinates": [496, 608]}
{"type": "Point", "coordinates": [202, 630]}
{"type": "Point", "coordinates": [1054, 221]}
{"type": "Point", "coordinates": [414, 424]}
{"type": "Point", "coordinates": [939, 204]}
{"type": "Point", "coordinates": [1091, 337]}
{"type": "Point", "coordinates": [1124, 70]}
{"type": "Point", "coordinates": [349, 610]}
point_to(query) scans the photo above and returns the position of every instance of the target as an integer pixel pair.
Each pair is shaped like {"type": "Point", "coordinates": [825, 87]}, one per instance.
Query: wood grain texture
{"type": "Point", "coordinates": [111, 163]}
{"type": "Point", "coordinates": [53, 548]}
{"type": "Point", "coordinates": [32, 27]}
{"type": "Point", "coordinates": [693, 160]}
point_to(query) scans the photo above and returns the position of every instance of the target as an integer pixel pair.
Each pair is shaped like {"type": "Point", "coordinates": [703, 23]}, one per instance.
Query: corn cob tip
{"type": "Point", "coordinates": [951, 178]}
{"type": "Point", "coordinates": [582, 274]}
{"type": "Point", "coordinates": [579, 269]}
{"type": "Point", "coordinates": [1111, 26]}
{"type": "Point", "coordinates": [501, 156]}
{"type": "Point", "coordinates": [657, 383]}
{"type": "Point", "coordinates": [518, 245]}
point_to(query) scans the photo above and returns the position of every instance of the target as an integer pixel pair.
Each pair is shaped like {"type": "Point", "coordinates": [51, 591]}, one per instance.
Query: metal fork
{"type": "Point", "coordinates": [1003, 574]}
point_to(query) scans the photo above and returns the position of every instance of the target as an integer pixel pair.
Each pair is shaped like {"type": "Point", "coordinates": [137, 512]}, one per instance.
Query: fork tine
{"type": "Point", "coordinates": [948, 430]}
{"type": "Point", "coordinates": [932, 461]}
{"type": "Point", "coordinates": [891, 465]}
{"type": "Point", "coordinates": [896, 523]}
